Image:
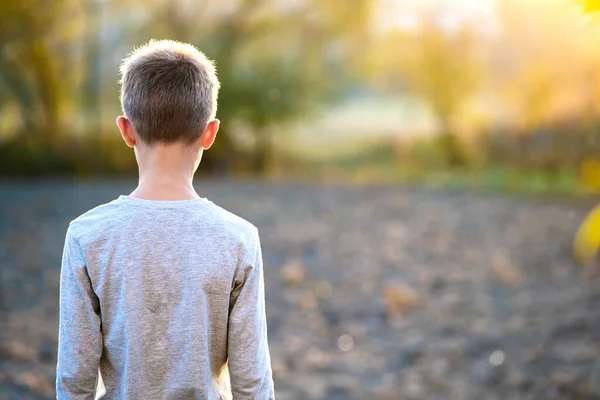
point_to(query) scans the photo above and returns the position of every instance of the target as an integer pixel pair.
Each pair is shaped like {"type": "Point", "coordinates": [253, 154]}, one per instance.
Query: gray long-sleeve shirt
{"type": "Point", "coordinates": [157, 299]}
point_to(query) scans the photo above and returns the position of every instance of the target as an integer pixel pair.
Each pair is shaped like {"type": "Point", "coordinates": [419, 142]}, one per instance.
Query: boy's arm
{"type": "Point", "coordinates": [79, 335]}
{"type": "Point", "coordinates": [248, 351]}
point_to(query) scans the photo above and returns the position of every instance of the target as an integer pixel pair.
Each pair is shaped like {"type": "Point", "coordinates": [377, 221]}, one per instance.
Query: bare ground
{"type": "Point", "coordinates": [372, 292]}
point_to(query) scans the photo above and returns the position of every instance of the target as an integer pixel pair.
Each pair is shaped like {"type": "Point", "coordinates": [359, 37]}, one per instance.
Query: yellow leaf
{"type": "Point", "coordinates": [587, 240]}
{"type": "Point", "coordinates": [589, 174]}
{"type": "Point", "coordinates": [590, 6]}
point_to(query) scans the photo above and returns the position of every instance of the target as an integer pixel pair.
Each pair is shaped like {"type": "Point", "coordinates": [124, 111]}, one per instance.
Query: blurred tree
{"type": "Point", "coordinates": [276, 61]}
{"type": "Point", "coordinates": [440, 67]}
{"type": "Point", "coordinates": [36, 38]}
{"type": "Point", "coordinates": [92, 48]}
{"type": "Point", "coordinates": [541, 84]}
{"type": "Point", "coordinates": [445, 71]}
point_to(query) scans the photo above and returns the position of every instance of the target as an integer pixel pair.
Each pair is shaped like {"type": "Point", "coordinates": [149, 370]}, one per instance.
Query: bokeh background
{"type": "Point", "coordinates": [417, 170]}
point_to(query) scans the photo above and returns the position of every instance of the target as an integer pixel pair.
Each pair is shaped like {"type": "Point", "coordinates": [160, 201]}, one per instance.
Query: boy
{"type": "Point", "coordinates": [161, 290]}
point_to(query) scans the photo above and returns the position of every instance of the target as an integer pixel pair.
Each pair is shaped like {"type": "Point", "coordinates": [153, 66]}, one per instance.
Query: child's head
{"type": "Point", "coordinates": [168, 95]}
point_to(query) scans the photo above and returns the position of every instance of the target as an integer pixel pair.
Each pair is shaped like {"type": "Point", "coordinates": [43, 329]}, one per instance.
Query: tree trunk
{"type": "Point", "coordinates": [91, 87]}
{"type": "Point", "coordinates": [451, 146]}
{"type": "Point", "coordinates": [263, 155]}
{"type": "Point", "coordinates": [48, 89]}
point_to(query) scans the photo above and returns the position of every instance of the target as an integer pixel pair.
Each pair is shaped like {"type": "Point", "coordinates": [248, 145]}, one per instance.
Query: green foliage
{"type": "Point", "coordinates": [20, 159]}
{"type": "Point", "coordinates": [27, 158]}
{"type": "Point", "coordinates": [275, 63]}
{"type": "Point", "coordinates": [35, 37]}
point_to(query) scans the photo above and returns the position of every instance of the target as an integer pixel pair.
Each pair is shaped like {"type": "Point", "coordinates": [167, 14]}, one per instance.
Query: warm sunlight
{"type": "Point", "coordinates": [450, 14]}
{"type": "Point", "coordinates": [423, 177]}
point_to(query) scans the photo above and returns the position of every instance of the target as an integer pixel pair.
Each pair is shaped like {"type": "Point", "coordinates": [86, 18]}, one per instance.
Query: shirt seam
{"type": "Point", "coordinates": [163, 206]}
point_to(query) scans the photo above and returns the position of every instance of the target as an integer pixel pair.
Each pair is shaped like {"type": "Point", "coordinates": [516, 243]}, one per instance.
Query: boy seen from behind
{"type": "Point", "coordinates": [161, 290]}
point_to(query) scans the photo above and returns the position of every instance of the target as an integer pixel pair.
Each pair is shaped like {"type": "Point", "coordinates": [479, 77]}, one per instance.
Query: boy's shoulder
{"type": "Point", "coordinates": [98, 212]}
{"type": "Point", "coordinates": [107, 216]}
{"type": "Point", "coordinates": [233, 225]}
{"type": "Point", "coordinates": [97, 218]}
{"type": "Point", "coordinates": [233, 220]}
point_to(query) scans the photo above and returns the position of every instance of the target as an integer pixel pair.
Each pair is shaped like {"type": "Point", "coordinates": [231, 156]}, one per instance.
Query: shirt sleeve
{"type": "Point", "coordinates": [79, 335]}
{"type": "Point", "coordinates": [248, 351]}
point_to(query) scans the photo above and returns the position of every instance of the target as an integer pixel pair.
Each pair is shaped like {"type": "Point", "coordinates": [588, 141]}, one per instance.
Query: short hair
{"type": "Point", "coordinates": [168, 91]}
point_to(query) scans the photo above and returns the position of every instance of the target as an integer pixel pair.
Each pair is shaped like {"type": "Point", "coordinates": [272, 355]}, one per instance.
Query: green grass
{"type": "Point", "coordinates": [489, 179]}
{"type": "Point", "coordinates": [379, 163]}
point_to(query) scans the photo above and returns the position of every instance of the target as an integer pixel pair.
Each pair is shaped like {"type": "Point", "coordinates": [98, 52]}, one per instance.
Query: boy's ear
{"type": "Point", "coordinates": [126, 130]}
{"type": "Point", "coordinates": [208, 137]}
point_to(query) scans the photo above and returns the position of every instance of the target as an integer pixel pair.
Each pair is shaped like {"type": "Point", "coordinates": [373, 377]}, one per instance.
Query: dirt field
{"type": "Point", "coordinates": [372, 293]}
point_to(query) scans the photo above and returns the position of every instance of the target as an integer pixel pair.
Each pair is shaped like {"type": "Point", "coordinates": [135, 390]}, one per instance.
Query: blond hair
{"type": "Point", "coordinates": [168, 91]}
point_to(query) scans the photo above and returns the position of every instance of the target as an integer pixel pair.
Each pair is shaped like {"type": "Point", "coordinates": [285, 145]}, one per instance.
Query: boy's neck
{"type": "Point", "coordinates": [165, 177]}
{"type": "Point", "coordinates": [151, 189]}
